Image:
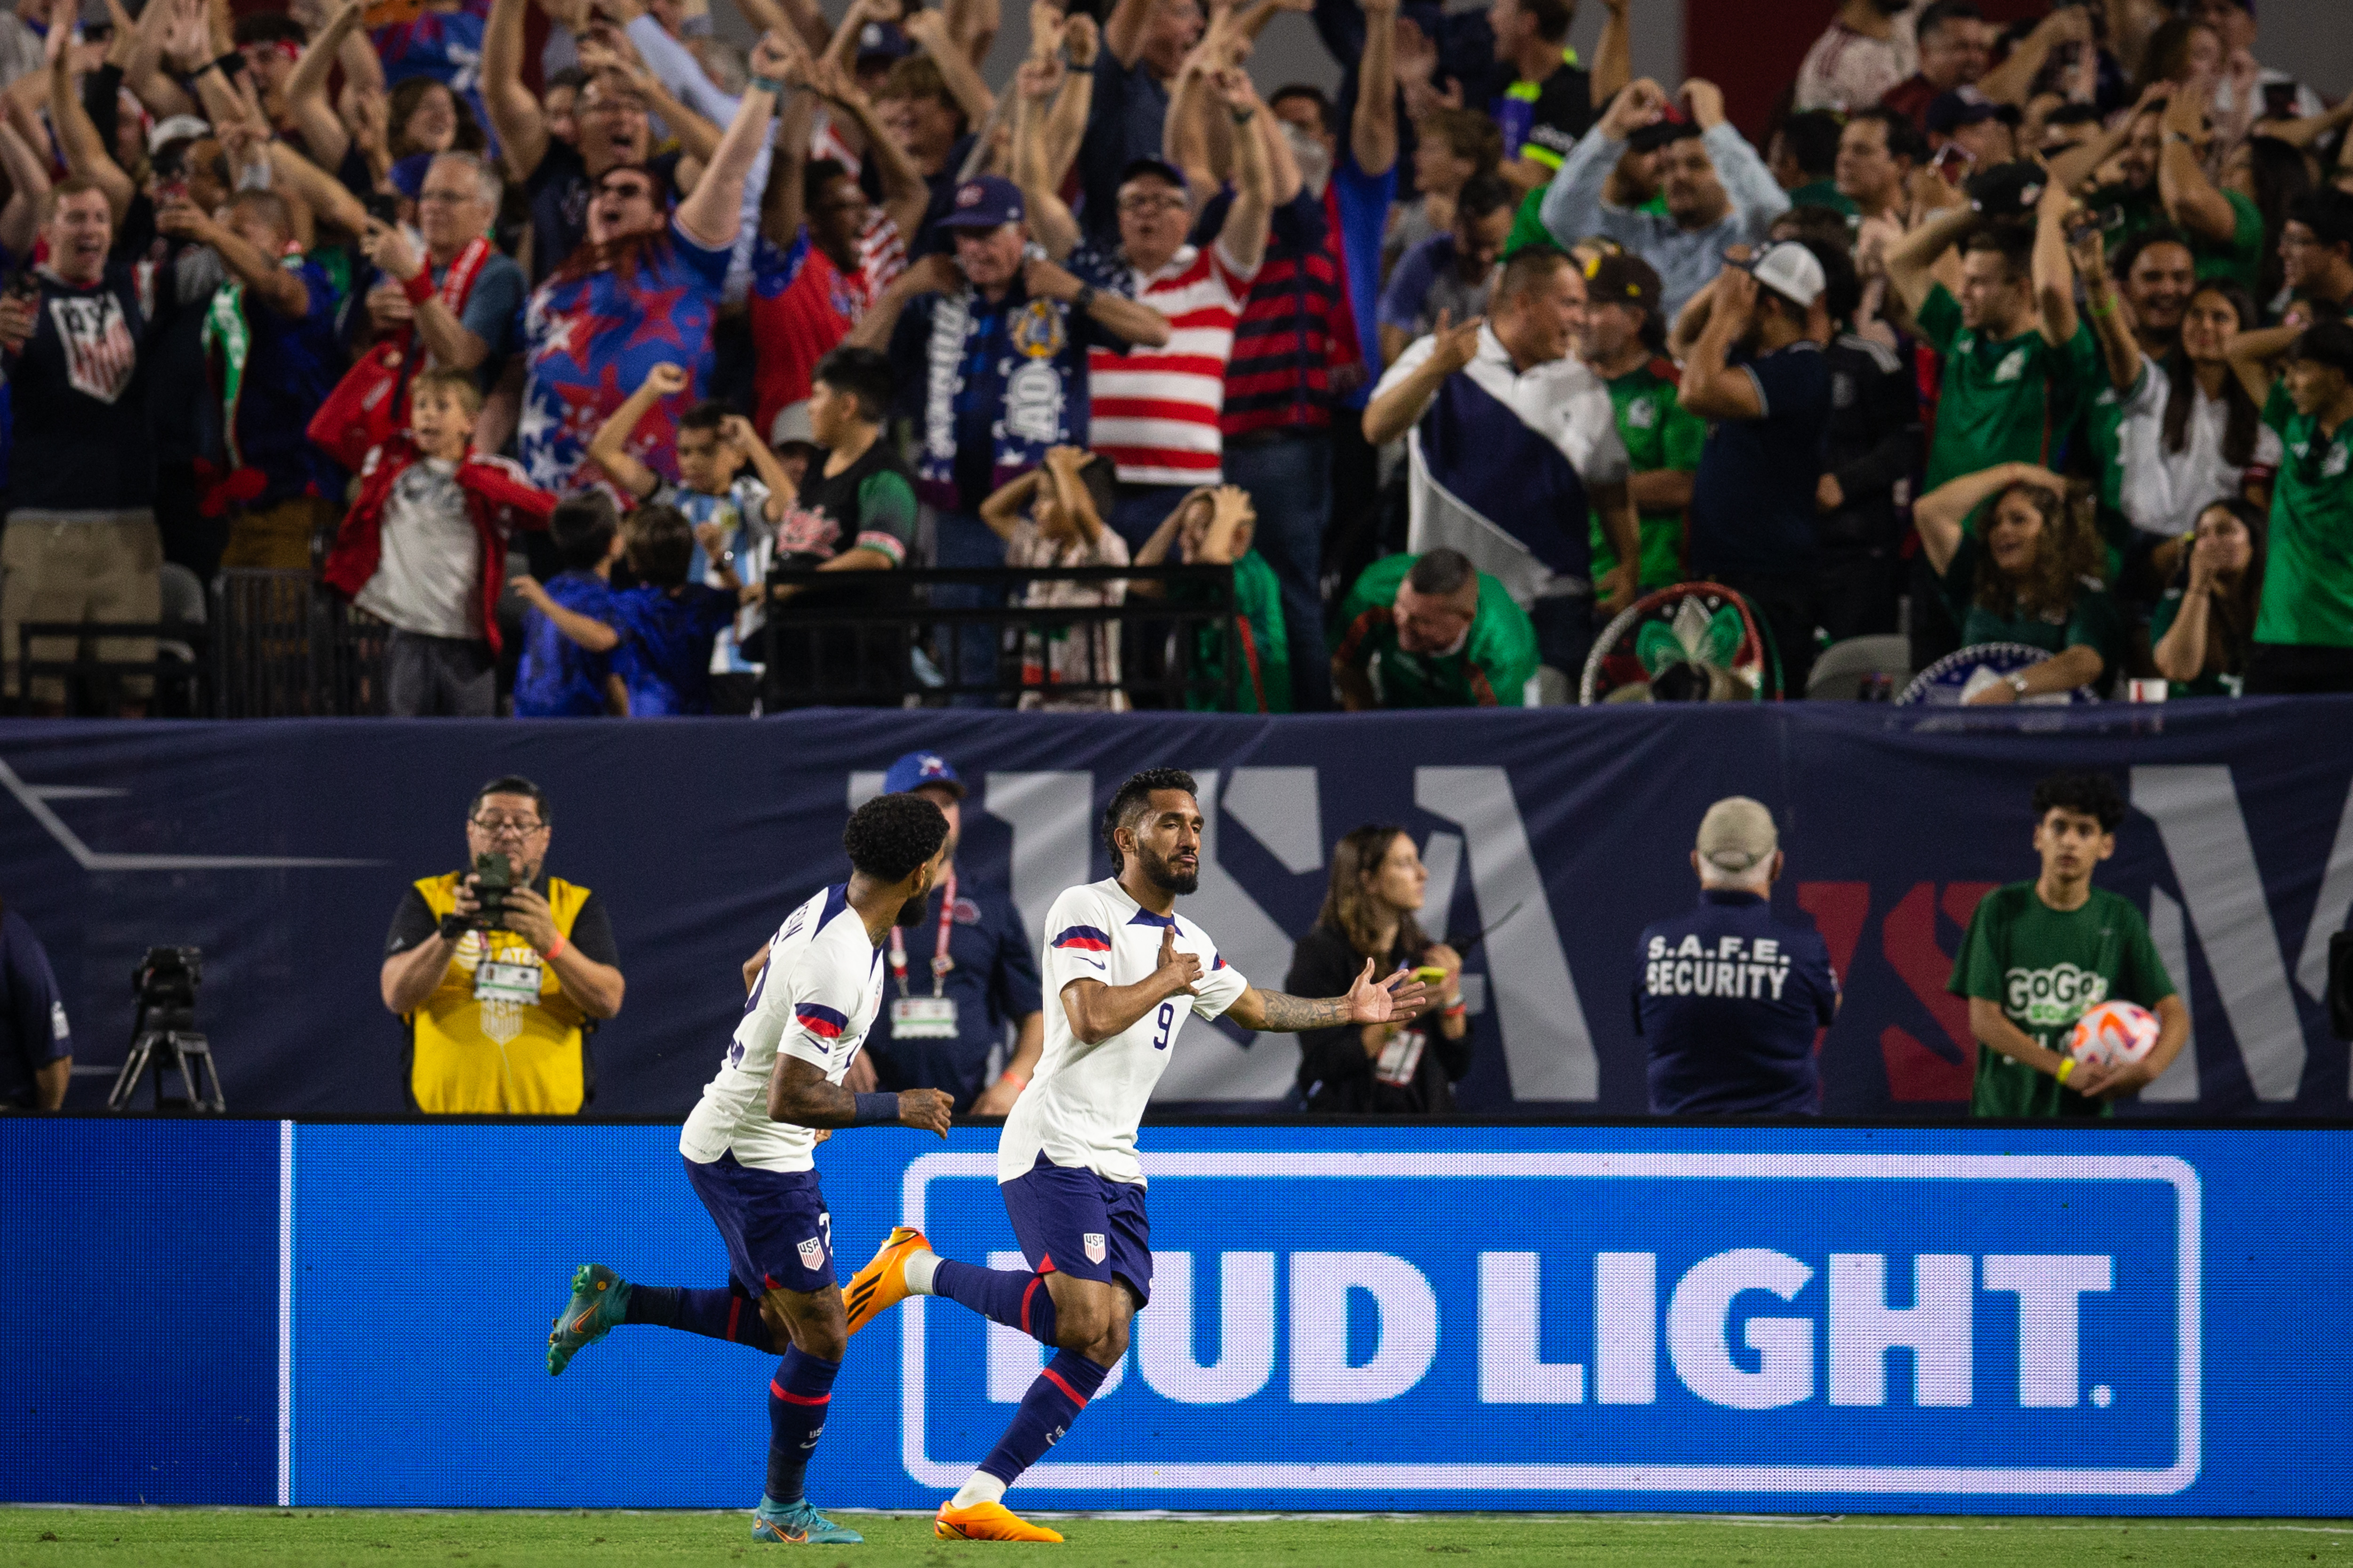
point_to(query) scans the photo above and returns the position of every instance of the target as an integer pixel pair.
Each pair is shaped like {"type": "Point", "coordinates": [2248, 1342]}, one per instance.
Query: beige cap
{"type": "Point", "coordinates": [1737, 834]}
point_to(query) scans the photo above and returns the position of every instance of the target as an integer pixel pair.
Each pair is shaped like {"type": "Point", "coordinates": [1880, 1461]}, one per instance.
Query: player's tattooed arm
{"type": "Point", "coordinates": [800, 1093]}
{"type": "Point", "coordinates": [1390, 1001]}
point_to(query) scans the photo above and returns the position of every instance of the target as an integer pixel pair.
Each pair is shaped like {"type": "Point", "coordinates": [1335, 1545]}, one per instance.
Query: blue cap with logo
{"type": "Point", "coordinates": [920, 770]}
{"type": "Point", "coordinates": [985, 202]}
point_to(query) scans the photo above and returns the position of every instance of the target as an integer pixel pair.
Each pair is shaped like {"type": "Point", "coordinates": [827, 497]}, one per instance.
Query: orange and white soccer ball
{"type": "Point", "coordinates": [2112, 1032]}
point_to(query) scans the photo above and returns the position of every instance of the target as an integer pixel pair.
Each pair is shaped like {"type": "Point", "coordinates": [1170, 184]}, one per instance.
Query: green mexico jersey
{"type": "Point", "coordinates": [1262, 678]}
{"type": "Point", "coordinates": [2308, 576]}
{"type": "Point", "coordinates": [2210, 684]}
{"type": "Point", "coordinates": [2092, 621]}
{"type": "Point", "coordinates": [1658, 433]}
{"type": "Point", "coordinates": [1491, 670]}
{"type": "Point", "coordinates": [2004, 400]}
{"type": "Point", "coordinates": [2047, 968]}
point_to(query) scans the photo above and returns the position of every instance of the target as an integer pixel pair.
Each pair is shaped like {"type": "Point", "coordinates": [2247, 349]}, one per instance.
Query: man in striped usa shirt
{"type": "Point", "coordinates": [1156, 411]}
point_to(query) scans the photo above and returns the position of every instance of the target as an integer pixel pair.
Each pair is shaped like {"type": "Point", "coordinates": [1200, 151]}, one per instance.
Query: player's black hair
{"type": "Point", "coordinates": [2093, 795]}
{"type": "Point", "coordinates": [864, 375]}
{"type": "Point", "coordinates": [1841, 285]}
{"type": "Point", "coordinates": [1904, 139]}
{"type": "Point", "coordinates": [267, 28]}
{"type": "Point", "coordinates": [1325, 109]}
{"type": "Point", "coordinates": [1134, 798]}
{"type": "Point", "coordinates": [660, 545]}
{"type": "Point", "coordinates": [1937, 16]}
{"type": "Point", "coordinates": [891, 835]}
{"type": "Point", "coordinates": [708, 414]}
{"type": "Point", "coordinates": [582, 529]}
{"type": "Point", "coordinates": [1485, 194]}
{"type": "Point", "coordinates": [512, 783]}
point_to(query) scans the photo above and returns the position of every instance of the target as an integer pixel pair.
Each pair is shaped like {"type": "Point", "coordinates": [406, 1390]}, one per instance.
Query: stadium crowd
{"type": "Point", "coordinates": [542, 332]}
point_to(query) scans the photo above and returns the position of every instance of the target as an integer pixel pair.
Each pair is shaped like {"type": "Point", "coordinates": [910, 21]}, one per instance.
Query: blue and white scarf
{"type": "Point", "coordinates": [1042, 404]}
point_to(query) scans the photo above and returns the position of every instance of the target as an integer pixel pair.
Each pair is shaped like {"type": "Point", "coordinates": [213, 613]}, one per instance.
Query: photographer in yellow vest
{"type": "Point", "coordinates": [500, 971]}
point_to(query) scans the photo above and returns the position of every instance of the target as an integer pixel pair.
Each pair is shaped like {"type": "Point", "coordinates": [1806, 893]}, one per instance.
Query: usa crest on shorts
{"type": "Point", "coordinates": [1094, 1242]}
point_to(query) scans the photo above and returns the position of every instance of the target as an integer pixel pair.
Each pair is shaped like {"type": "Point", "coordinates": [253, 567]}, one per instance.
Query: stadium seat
{"type": "Point", "coordinates": [1843, 667]}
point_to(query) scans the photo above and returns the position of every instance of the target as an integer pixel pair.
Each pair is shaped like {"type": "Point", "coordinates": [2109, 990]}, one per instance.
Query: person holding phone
{"type": "Point", "coordinates": [1378, 889]}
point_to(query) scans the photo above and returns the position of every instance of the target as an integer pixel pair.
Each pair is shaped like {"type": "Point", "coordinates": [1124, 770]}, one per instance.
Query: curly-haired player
{"type": "Point", "coordinates": [1121, 971]}
{"type": "Point", "coordinates": [748, 1147]}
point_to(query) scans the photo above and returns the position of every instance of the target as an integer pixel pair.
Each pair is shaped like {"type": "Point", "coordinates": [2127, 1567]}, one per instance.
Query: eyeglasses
{"type": "Point", "coordinates": [507, 826]}
{"type": "Point", "coordinates": [609, 106]}
{"type": "Point", "coordinates": [444, 198]}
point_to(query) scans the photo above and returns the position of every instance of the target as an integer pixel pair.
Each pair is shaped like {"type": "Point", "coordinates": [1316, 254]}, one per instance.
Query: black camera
{"type": "Point", "coordinates": [165, 981]}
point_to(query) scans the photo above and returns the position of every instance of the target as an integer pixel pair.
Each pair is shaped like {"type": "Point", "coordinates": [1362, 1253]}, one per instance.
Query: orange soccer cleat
{"type": "Point", "coordinates": [987, 1521]}
{"type": "Point", "coordinates": [883, 1281]}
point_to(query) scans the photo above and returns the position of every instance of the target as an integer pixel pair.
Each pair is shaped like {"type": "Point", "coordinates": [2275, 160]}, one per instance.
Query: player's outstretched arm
{"type": "Point", "coordinates": [800, 1093]}
{"type": "Point", "coordinates": [1390, 1001]}
{"type": "Point", "coordinates": [1098, 1012]}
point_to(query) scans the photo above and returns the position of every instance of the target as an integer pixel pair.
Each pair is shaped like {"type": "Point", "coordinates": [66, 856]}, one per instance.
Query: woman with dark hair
{"type": "Point", "coordinates": [2275, 174]}
{"type": "Point", "coordinates": [1377, 880]}
{"type": "Point", "coordinates": [2207, 619]}
{"type": "Point", "coordinates": [2025, 576]}
{"type": "Point", "coordinates": [2183, 51]}
{"type": "Point", "coordinates": [2189, 431]}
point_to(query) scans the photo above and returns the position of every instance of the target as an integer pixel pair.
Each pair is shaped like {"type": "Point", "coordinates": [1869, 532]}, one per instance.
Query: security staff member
{"type": "Point", "coordinates": [498, 1008]}
{"type": "Point", "coordinates": [1730, 997]}
{"type": "Point", "coordinates": [957, 977]}
{"type": "Point", "coordinates": [35, 1045]}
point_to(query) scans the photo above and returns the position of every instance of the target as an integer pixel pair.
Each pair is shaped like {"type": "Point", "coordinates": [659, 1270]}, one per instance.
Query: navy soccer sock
{"type": "Point", "coordinates": [715, 1314]}
{"type": "Point", "coordinates": [1018, 1300]}
{"type": "Point", "coordinates": [1046, 1410]}
{"type": "Point", "coordinates": [797, 1398]}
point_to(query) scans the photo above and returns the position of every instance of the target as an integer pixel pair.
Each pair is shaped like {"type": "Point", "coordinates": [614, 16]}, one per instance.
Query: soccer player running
{"type": "Point", "coordinates": [748, 1147]}
{"type": "Point", "coordinates": [1122, 969]}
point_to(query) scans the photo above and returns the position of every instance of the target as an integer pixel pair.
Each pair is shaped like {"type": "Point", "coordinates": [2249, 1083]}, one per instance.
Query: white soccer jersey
{"type": "Point", "coordinates": [815, 1000]}
{"type": "Point", "coordinates": [1082, 1104]}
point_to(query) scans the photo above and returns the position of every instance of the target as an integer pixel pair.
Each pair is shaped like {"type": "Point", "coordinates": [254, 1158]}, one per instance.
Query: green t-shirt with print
{"type": "Point", "coordinates": [1262, 678]}
{"type": "Point", "coordinates": [2308, 569]}
{"type": "Point", "coordinates": [1658, 433]}
{"type": "Point", "coordinates": [2004, 400]}
{"type": "Point", "coordinates": [1824, 193]}
{"type": "Point", "coordinates": [2047, 968]}
{"type": "Point", "coordinates": [1491, 670]}
{"type": "Point", "coordinates": [2093, 621]}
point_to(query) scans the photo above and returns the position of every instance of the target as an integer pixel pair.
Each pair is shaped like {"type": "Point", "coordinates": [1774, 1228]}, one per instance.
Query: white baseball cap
{"type": "Point", "coordinates": [1791, 270]}
{"type": "Point", "coordinates": [1738, 832]}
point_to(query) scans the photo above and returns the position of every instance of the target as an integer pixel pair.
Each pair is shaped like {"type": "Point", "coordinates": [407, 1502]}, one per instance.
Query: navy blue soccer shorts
{"type": "Point", "coordinates": [778, 1234]}
{"type": "Point", "coordinates": [1082, 1225]}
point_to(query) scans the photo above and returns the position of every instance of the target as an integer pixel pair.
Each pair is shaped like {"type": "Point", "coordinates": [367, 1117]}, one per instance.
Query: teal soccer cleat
{"type": "Point", "coordinates": [800, 1524]}
{"type": "Point", "coordinates": [600, 1300]}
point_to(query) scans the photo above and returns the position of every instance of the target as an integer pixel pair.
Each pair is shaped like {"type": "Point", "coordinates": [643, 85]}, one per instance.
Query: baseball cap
{"type": "Point", "coordinates": [918, 769]}
{"type": "Point", "coordinates": [1948, 112]}
{"type": "Point", "coordinates": [2008, 190]}
{"type": "Point", "coordinates": [176, 128]}
{"type": "Point", "coordinates": [882, 40]}
{"type": "Point", "coordinates": [1622, 280]}
{"type": "Point", "coordinates": [792, 423]}
{"type": "Point", "coordinates": [984, 203]}
{"type": "Point", "coordinates": [1160, 166]}
{"type": "Point", "coordinates": [1792, 271]}
{"type": "Point", "coordinates": [1736, 834]}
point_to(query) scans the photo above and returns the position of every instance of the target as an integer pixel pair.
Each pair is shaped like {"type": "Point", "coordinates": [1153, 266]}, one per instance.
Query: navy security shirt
{"type": "Point", "coordinates": [1752, 508]}
{"type": "Point", "coordinates": [1730, 998]}
{"type": "Point", "coordinates": [33, 1032]}
{"type": "Point", "coordinates": [994, 983]}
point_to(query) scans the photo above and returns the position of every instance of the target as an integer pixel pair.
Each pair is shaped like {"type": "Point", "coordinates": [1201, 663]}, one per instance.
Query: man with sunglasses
{"type": "Point", "coordinates": [499, 987]}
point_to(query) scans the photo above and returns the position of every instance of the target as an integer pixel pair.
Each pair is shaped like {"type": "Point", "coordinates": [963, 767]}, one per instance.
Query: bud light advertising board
{"type": "Point", "coordinates": [2090, 1321]}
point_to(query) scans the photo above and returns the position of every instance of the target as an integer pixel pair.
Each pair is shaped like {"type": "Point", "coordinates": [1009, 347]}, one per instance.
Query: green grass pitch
{"type": "Point", "coordinates": [236, 1538]}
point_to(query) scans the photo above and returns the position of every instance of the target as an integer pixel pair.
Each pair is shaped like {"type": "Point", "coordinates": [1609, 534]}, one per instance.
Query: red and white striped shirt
{"type": "Point", "coordinates": [1155, 411]}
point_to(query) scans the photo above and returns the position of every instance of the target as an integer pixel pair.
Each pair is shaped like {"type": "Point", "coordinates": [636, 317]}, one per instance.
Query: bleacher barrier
{"type": "Point", "coordinates": [282, 849]}
{"type": "Point", "coordinates": [2084, 1321]}
{"type": "Point", "coordinates": [288, 649]}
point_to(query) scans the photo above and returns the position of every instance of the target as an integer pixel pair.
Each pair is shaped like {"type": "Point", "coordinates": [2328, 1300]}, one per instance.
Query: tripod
{"type": "Point", "coordinates": [164, 1038]}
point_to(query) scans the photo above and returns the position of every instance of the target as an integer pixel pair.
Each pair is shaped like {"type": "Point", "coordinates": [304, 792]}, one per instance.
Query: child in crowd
{"type": "Point", "coordinates": [425, 548]}
{"type": "Point", "coordinates": [731, 487]}
{"type": "Point", "coordinates": [1215, 527]}
{"type": "Point", "coordinates": [659, 633]}
{"type": "Point", "coordinates": [559, 678]}
{"type": "Point", "coordinates": [1053, 517]}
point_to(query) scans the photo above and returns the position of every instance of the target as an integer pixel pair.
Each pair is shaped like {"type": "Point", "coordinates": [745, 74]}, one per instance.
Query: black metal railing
{"type": "Point", "coordinates": [173, 681]}
{"type": "Point", "coordinates": [287, 647]}
{"type": "Point", "coordinates": [853, 639]}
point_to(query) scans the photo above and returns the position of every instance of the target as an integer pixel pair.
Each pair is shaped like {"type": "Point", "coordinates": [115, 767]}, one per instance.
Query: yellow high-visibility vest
{"type": "Point", "coordinates": [476, 1045]}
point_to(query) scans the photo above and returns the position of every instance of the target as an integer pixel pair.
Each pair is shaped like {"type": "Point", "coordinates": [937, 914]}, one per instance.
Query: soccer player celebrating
{"type": "Point", "coordinates": [747, 1152]}
{"type": "Point", "coordinates": [1123, 968]}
